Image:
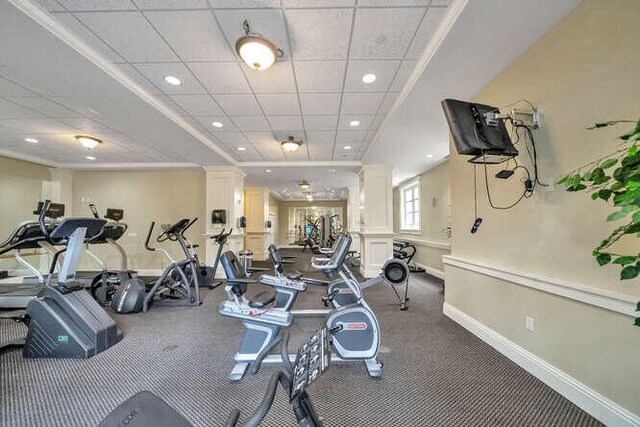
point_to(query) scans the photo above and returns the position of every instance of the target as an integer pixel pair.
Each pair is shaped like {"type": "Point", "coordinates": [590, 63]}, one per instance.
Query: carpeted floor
{"type": "Point", "coordinates": [435, 372]}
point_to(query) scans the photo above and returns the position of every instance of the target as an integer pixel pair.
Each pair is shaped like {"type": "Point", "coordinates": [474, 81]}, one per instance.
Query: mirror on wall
{"type": "Point", "coordinates": [321, 224]}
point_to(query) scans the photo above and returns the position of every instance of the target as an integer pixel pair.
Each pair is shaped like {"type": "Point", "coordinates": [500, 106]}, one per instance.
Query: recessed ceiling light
{"type": "Point", "coordinates": [88, 142]}
{"type": "Point", "coordinates": [173, 81]}
{"type": "Point", "coordinates": [332, 171]}
{"type": "Point", "coordinates": [354, 123]}
{"type": "Point", "coordinates": [256, 51]}
{"type": "Point", "coordinates": [90, 158]}
{"type": "Point", "coordinates": [31, 140]}
{"type": "Point", "coordinates": [291, 144]}
{"type": "Point", "coordinates": [429, 156]}
{"type": "Point", "coordinates": [217, 124]}
{"type": "Point", "coordinates": [369, 78]}
{"type": "Point", "coordinates": [241, 148]}
{"type": "Point", "coordinates": [346, 147]}
{"type": "Point", "coordinates": [268, 170]}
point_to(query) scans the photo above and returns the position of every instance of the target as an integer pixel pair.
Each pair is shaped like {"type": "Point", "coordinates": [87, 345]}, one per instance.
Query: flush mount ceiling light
{"type": "Point", "coordinates": [173, 81]}
{"type": "Point", "coordinates": [217, 124]}
{"type": "Point", "coordinates": [256, 51]}
{"type": "Point", "coordinates": [369, 78]}
{"type": "Point", "coordinates": [31, 140]}
{"type": "Point", "coordinates": [354, 123]}
{"type": "Point", "coordinates": [304, 185]}
{"type": "Point", "coordinates": [88, 142]}
{"type": "Point", "coordinates": [291, 144]}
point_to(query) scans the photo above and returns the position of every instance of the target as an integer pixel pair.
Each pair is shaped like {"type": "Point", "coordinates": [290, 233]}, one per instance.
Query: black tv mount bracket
{"type": "Point", "coordinates": [530, 119]}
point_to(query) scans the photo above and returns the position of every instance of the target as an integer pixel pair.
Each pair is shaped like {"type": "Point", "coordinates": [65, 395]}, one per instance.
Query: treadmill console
{"type": "Point", "coordinates": [312, 360]}
{"type": "Point", "coordinates": [54, 211]}
{"type": "Point", "coordinates": [114, 214]}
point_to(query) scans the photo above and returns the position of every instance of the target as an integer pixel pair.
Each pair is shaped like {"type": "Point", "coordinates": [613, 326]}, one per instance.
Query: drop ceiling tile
{"type": "Point", "coordinates": [249, 154]}
{"type": "Point", "coordinates": [130, 35]}
{"type": "Point", "coordinates": [425, 33]}
{"type": "Point", "coordinates": [319, 76]}
{"type": "Point", "coordinates": [10, 110]}
{"type": "Point", "coordinates": [251, 123]}
{"type": "Point", "coordinates": [277, 79]}
{"type": "Point", "coordinates": [8, 88]}
{"type": "Point", "coordinates": [220, 77]}
{"type": "Point", "coordinates": [206, 121]}
{"type": "Point", "coordinates": [156, 73]}
{"type": "Point", "coordinates": [137, 76]}
{"type": "Point", "coordinates": [87, 125]}
{"type": "Point", "coordinates": [350, 137]}
{"type": "Point", "coordinates": [377, 122]}
{"type": "Point", "coordinates": [94, 5]}
{"type": "Point", "coordinates": [285, 123]}
{"type": "Point", "coordinates": [279, 104]}
{"type": "Point", "coordinates": [198, 105]}
{"type": "Point", "coordinates": [320, 103]}
{"type": "Point", "coordinates": [403, 75]}
{"type": "Point", "coordinates": [361, 103]}
{"type": "Point", "coordinates": [319, 33]}
{"type": "Point", "coordinates": [51, 5]}
{"type": "Point", "coordinates": [383, 3]}
{"type": "Point", "coordinates": [387, 103]}
{"type": "Point", "coordinates": [385, 71]}
{"type": "Point", "coordinates": [319, 152]}
{"type": "Point", "coordinates": [38, 126]}
{"type": "Point", "coordinates": [321, 139]}
{"type": "Point", "coordinates": [239, 105]}
{"type": "Point", "coordinates": [300, 155]}
{"type": "Point", "coordinates": [171, 4]}
{"type": "Point", "coordinates": [440, 2]}
{"type": "Point", "coordinates": [193, 34]}
{"type": "Point", "coordinates": [75, 25]}
{"type": "Point", "coordinates": [345, 122]}
{"type": "Point", "coordinates": [318, 122]}
{"type": "Point", "coordinates": [267, 22]}
{"type": "Point", "coordinates": [383, 33]}
{"type": "Point", "coordinates": [234, 139]}
{"type": "Point", "coordinates": [261, 138]}
{"type": "Point", "coordinates": [318, 3]}
{"type": "Point", "coordinates": [240, 4]}
{"type": "Point", "coordinates": [48, 107]}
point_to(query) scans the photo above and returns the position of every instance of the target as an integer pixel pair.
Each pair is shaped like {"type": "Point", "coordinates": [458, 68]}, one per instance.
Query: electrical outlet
{"type": "Point", "coordinates": [529, 323]}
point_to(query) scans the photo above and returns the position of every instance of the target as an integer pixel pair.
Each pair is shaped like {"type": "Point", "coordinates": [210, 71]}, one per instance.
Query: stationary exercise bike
{"type": "Point", "coordinates": [354, 328]}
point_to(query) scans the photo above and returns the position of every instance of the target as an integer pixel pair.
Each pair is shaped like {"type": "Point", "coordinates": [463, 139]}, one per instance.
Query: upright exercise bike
{"type": "Point", "coordinates": [354, 328]}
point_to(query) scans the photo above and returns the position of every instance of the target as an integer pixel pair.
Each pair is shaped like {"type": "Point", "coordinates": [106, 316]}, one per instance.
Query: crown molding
{"type": "Point", "coordinates": [328, 163]}
{"type": "Point", "coordinates": [27, 158]}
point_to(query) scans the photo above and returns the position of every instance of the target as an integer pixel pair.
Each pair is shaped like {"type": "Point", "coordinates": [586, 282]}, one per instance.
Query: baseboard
{"type": "Point", "coordinates": [599, 406]}
{"type": "Point", "coordinates": [432, 271]}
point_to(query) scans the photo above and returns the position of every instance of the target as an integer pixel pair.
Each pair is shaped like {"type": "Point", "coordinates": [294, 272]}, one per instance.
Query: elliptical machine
{"type": "Point", "coordinates": [354, 328]}
{"type": "Point", "coordinates": [64, 321]}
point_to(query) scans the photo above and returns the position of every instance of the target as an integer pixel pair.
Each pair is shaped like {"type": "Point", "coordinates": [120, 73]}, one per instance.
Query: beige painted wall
{"type": "Point", "coordinates": [435, 216]}
{"type": "Point", "coordinates": [164, 196]}
{"type": "Point", "coordinates": [283, 215]}
{"type": "Point", "coordinates": [21, 186]}
{"type": "Point", "coordinates": [583, 71]}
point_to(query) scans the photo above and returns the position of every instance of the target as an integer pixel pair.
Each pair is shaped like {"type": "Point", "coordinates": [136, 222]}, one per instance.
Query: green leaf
{"type": "Point", "coordinates": [636, 217]}
{"type": "Point", "coordinates": [638, 306]}
{"type": "Point", "coordinates": [608, 163]}
{"type": "Point", "coordinates": [637, 322]}
{"type": "Point", "coordinates": [603, 259]}
{"type": "Point", "coordinates": [604, 194]}
{"type": "Point", "coordinates": [633, 150]}
{"type": "Point", "coordinates": [625, 260]}
{"type": "Point", "coordinates": [629, 272]}
{"type": "Point", "coordinates": [562, 180]}
{"type": "Point", "coordinates": [621, 213]}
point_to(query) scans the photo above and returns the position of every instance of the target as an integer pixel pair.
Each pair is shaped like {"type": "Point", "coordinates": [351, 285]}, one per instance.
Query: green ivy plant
{"type": "Point", "coordinates": [615, 179]}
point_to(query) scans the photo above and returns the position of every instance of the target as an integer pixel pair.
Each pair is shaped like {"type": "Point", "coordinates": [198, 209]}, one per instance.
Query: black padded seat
{"type": "Point", "coordinates": [294, 275]}
{"type": "Point", "coordinates": [238, 280]}
{"type": "Point", "coordinates": [262, 299]}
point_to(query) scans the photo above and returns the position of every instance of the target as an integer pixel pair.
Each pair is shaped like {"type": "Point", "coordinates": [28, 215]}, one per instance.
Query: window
{"type": "Point", "coordinates": [410, 206]}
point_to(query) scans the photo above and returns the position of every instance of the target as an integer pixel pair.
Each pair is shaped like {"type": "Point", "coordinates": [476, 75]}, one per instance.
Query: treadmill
{"type": "Point", "coordinates": [16, 292]}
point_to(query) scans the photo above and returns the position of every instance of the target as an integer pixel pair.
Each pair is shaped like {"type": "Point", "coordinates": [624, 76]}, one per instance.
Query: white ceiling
{"type": "Point", "coordinates": [103, 73]}
{"type": "Point", "coordinates": [312, 93]}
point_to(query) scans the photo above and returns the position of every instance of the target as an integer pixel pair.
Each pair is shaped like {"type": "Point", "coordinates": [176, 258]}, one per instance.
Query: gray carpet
{"type": "Point", "coordinates": [435, 373]}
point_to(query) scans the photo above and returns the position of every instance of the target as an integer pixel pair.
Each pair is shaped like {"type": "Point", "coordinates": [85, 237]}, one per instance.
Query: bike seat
{"type": "Point", "coordinates": [262, 299]}
{"type": "Point", "coordinates": [294, 275]}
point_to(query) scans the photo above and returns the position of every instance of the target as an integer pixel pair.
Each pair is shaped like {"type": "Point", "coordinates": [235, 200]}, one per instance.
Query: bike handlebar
{"type": "Point", "coordinates": [94, 210]}
{"type": "Point", "coordinates": [146, 243]}
{"type": "Point", "coordinates": [43, 212]}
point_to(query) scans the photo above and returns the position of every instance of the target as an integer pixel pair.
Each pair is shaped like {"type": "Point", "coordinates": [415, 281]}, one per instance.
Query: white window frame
{"type": "Point", "coordinates": [410, 215]}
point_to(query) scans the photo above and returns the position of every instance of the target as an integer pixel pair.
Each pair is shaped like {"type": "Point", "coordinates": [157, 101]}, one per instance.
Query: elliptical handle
{"type": "Point", "coordinates": [43, 213]}
{"type": "Point", "coordinates": [187, 227]}
{"type": "Point", "coordinates": [94, 210]}
{"type": "Point", "coordinates": [279, 377]}
{"type": "Point", "coordinates": [146, 243]}
{"type": "Point", "coordinates": [233, 418]}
